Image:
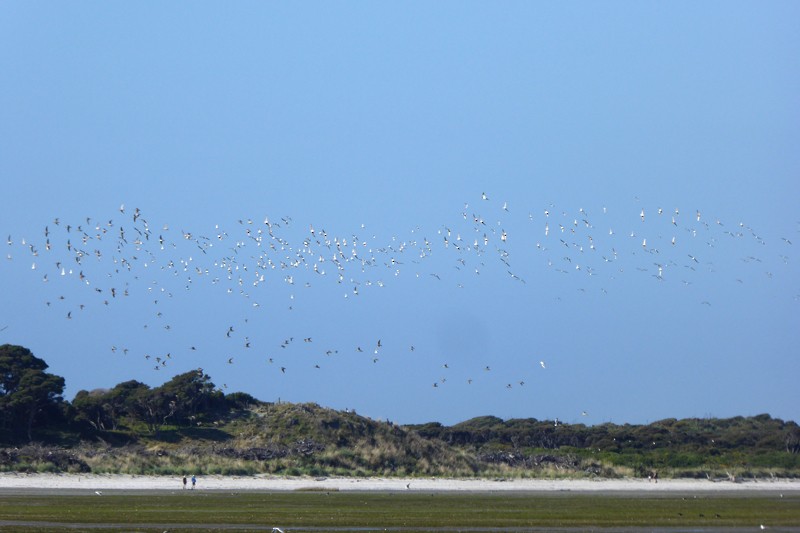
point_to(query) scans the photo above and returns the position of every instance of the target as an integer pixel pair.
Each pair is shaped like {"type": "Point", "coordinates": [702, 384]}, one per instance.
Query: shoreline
{"type": "Point", "coordinates": [11, 482]}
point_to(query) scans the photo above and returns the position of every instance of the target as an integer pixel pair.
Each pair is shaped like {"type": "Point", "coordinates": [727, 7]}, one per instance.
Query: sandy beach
{"type": "Point", "coordinates": [11, 482]}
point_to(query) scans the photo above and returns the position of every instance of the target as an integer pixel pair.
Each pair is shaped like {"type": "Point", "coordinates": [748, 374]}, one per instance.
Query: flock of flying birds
{"type": "Point", "coordinates": [266, 263]}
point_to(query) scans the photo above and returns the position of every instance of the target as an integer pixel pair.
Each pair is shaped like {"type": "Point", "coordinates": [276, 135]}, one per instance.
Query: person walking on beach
{"type": "Point", "coordinates": [184, 482]}
{"type": "Point", "coordinates": [194, 481]}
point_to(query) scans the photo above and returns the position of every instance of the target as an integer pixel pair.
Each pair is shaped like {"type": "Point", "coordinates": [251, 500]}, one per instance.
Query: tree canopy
{"type": "Point", "coordinates": [27, 392]}
{"type": "Point", "coordinates": [183, 400]}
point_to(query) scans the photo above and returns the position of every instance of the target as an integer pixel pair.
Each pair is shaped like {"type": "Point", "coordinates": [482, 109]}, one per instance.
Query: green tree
{"type": "Point", "coordinates": [89, 407]}
{"type": "Point", "coordinates": [26, 390]}
{"type": "Point", "coordinates": [193, 394]}
{"type": "Point", "coordinates": [153, 406]}
{"type": "Point", "coordinates": [105, 408]}
{"type": "Point", "coordinates": [121, 400]}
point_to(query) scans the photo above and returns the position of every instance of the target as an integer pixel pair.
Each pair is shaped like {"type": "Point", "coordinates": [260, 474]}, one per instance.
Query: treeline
{"type": "Point", "coordinates": [190, 412]}
{"type": "Point", "coordinates": [687, 447]}
{"type": "Point", "coordinates": [185, 400]}
{"type": "Point", "coordinates": [701, 435]}
{"type": "Point", "coordinates": [32, 405]}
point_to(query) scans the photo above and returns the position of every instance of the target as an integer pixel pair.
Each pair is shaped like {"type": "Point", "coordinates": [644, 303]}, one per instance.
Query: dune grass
{"type": "Point", "coordinates": [293, 511]}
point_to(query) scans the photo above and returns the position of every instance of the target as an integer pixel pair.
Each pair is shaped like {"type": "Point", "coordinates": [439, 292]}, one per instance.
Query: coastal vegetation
{"type": "Point", "coordinates": [189, 424]}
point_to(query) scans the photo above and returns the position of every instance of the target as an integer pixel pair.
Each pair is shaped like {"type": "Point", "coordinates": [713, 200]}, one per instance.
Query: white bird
{"type": "Point", "coordinates": [542, 364]}
{"type": "Point", "coordinates": [279, 530]}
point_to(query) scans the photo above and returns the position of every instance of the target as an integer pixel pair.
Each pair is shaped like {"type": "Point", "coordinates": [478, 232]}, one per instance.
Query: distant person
{"type": "Point", "coordinates": [655, 476]}
{"type": "Point", "coordinates": [194, 481]}
{"type": "Point", "coordinates": [184, 482]}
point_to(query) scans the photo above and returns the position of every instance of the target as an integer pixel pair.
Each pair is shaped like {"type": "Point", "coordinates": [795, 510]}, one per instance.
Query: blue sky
{"type": "Point", "coordinates": [236, 129]}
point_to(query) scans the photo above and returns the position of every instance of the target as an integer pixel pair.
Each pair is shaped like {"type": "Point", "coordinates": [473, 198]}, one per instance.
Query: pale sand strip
{"type": "Point", "coordinates": [92, 482]}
